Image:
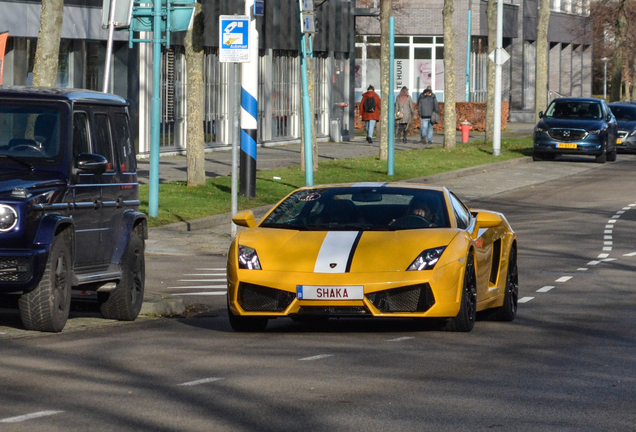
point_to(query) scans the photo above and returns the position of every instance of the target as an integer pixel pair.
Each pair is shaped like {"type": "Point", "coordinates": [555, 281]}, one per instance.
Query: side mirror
{"type": "Point", "coordinates": [486, 219]}
{"type": "Point", "coordinates": [91, 163]}
{"type": "Point", "coordinates": [245, 218]}
{"type": "Point", "coordinates": [540, 114]}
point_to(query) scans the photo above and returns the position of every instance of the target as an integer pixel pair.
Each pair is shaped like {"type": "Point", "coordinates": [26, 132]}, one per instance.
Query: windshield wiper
{"type": "Point", "coordinates": [19, 160]}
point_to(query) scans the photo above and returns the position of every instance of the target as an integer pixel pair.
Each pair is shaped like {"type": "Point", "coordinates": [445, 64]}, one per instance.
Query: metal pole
{"type": "Point", "coordinates": [249, 111]}
{"type": "Point", "coordinates": [468, 57]}
{"type": "Point", "coordinates": [309, 163]}
{"type": "Point", "coordinates": [604, 60]}
{"type": "Point", "coordinates": [109, 44]}
{"type": "Point", "coordinates": [390, 99]}
{"type": "Point", "coordinates": [496, 136]}
{"type": "Point", "coordinates": [235, 145]}
{"type": "Point", "coordinates": [155, 117]}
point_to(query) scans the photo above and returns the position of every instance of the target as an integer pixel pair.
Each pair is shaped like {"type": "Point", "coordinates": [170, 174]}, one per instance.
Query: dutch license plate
{"type": "Point", "coordinates": [566, 145]}
{"type": "Point", "coordinates": [320, 292]}
{"type": "Point", "coordinates": [619, 141]}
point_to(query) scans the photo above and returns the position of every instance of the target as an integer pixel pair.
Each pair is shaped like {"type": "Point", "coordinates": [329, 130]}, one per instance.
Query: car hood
{"type": "Point", "coordinates": [343, 251]}
{"type": "Point", "coordinates": [626, 125]}
{"type": "Point", "coordinates": [32, 180]}
{"type": "Point", "coordinates": [550, 123]}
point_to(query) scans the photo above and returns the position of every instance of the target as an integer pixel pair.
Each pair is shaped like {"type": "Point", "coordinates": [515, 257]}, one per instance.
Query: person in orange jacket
{"type": "Point", "coordinates": [370, 111]}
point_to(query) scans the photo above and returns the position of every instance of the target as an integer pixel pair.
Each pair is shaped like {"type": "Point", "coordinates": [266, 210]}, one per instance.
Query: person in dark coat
{"type": "Point", "coordinates": [426, 105]}
{"type": "Point", "coordinates": [370, 117]}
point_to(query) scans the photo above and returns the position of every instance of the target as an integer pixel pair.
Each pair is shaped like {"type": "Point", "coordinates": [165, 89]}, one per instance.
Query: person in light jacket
{"type": "Point", "coordinates": [404, 112]}
{"type": "Point", "coordinates": [370, 117]}
{"type": "Point", "coordinates": [426, 105]}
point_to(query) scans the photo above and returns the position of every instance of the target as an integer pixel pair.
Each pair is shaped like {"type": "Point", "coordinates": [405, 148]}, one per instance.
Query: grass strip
{"type": "Point", "coordinates": [178, 202]}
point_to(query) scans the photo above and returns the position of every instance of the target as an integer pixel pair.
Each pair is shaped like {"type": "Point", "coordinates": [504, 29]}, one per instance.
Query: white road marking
{"type": "Point", "coordinates": [545, 289]}
{"type": "Point", "coordinates": [630, 254]}
{"type": "Point", "coordinates": [608, 243]}
{"type": "Point", "coordinates": [626, 208]}
{"type": "Point", "coordinates": [202, 293]}
{"type": "Point", "coordinates": [201, 381]}
{"type": "Point", "coordinates": [593, 263]}
{"type": "Point", "coordinates": [524, 299]}
{"type": "Point", "coordinates": [563, 279]}
{"type": "Point", "coordinates": [202, 280]}
{"type": "Point", "coordinates": [610, 259]}
{"type": "Point", "coordinates": [29, 416]}
{"type": "Point", "coordinates": [204, 274]}
{"type": "Point", "coordinates": [200, 287]}
{"type": "Point", "coordinates": [611, 221]}
{"type": "Point", "coordinates": [632, 205]}
{"type": "Point", "coordinates": [209, 269]}
{"type": "Point", "coordinates": [317, 357]}
{"type": "Point", "coordinates": [608, 237]}
{"type": "Point", "coordinates": [609, 226]}
{"type": "Point", "coordinates": [620, 212]}
{"type": "Point", "coordinates": [616, 216]}
{"type": "Point", "coordinates": [582, 269]}
{"type": "Point", "coordinates": [607, 249]}
{"type": "Point", "coordinates": [400, 339]}
{"type": "Point", "coordinates": [607, 231]}
{"type": "Point", "coordinates": [602, 256]}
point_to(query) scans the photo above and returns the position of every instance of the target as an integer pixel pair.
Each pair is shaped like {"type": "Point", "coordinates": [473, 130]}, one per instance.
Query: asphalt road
{"type": "Point", "coordinates": [567, 363]}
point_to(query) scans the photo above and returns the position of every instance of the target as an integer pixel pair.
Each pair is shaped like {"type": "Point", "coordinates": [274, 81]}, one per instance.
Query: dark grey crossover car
{"type": "Point", "coordinates": [625, 113]}
{"type": "Point", "coordinates": [581, 126]}
{"type": "Point", "coordinates": [69, 205]}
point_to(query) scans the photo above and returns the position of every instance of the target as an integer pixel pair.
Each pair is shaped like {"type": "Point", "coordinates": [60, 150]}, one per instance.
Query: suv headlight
{"type": "Point", "coordinates": [595, 132]}
{"type": "Point", "coordinates": [632, 133]}
{"type": "Point", "coordinates": [248, 258]}
{"type": "Point", "coordinates": [427, 259]}
{"type": "Point", "coordinates": [538, 129]}
{"type": "Point", "coordinates": [8, 218]}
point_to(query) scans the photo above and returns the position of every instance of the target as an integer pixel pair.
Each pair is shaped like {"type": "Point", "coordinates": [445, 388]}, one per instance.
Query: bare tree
{"type": "Point", "coordinates": [620, 28]}
{"type": "Point", "coordinates": [541, 73]}
{"type": "Point", "coordinates": [194, 64]}
{"type": "Point", "coordinates": [450, 127]}
{"type": "Point", "coordinates": [491, 12]}
{"type": "Point", "coordinates": [48, 47]}
{"type": "Point", "coordinates": [386, 8]}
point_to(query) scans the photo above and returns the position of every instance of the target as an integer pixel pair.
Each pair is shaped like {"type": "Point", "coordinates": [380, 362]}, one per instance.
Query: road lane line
{"type": "Point", "coordinates": [400, 339]}
{"type": "Point", "coordinates": [609, 259]}
{"type": "Point", "coordinates": [545, 289]}
{"type": "Point", "coordinates": [607, 249]}
{"type": "Point", "coordinates": [317, 357]}
{"type": "Point", "coordinates": [524, 299]}
{"type": "Point", "coordinates": [582, 269]}
{"type": "Point", "coordinates": [210, 269]}
{"type": "Point", "coordinates": [594, 262]}
{"type": "Point", "coordinates": [602, 256]}
{"type": "Point", "coordinates": [607, 232]}
{"type": "Point", "coordinates": [31, 416]}
{"type": "Point", "coordinates": [202, 280]}
{"type": "Point", "coordinates": [616, 217]}
{"type": "Point", "coordinates": [620, 212]}
{"type": "Point", "coordinates": [609, 226]}
{"type": "Point", "coordinates": [608, 243]}
{"type": "Point", "coordinates": [204, 274]}
{"type": "Point", "coordinates": [201, 381]}
{"type": "Point", "coordinates": [631, 254]}
{"type": "Point", "coordinates": [200, 287]}
{"type": "Point", "coordinates": [611, 221]}
{"type": "Point", "coordinates": [563, 279]}
{"type": "Point", "coordinates": [202, 293]}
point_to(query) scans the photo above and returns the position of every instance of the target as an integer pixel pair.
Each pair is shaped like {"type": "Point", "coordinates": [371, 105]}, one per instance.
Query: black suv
{"type": "Point", "coordinates": [69, 205]}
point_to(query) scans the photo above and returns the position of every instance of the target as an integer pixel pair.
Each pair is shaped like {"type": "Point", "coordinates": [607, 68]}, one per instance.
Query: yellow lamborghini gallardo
{"type": "Point", "coordinates": [372, 250]}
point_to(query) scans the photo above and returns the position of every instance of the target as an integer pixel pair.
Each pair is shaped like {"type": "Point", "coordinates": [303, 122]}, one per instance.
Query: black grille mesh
{"type": "Point", "coordinates": [256, 298]}
{"type": "Point", "coordinates": [334, 310]}
{"type": "Point", "coordinates": [15, 269]}
{"type": "Point", "coordinates": [415, 298]}
{"type": "Point", "coordinates": [567, 134]}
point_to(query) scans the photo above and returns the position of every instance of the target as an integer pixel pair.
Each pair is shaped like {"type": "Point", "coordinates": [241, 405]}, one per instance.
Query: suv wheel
{"type": "Point", "coordinates": [123, 302]}
{"type": "Point", "coordinates": [46, 308]}
{"type": "Point", "coordinates": [603, 156]}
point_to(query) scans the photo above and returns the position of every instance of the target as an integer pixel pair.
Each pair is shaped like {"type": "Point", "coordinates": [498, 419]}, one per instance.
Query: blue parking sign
{"type": "Point", "coordinates": [234, 38]}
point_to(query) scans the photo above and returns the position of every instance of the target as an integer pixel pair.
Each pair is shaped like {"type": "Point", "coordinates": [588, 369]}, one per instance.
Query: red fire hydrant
{"type": "Point", "coordinates": [466, 126]}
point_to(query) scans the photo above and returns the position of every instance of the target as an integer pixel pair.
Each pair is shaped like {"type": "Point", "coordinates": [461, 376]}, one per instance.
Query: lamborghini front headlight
{"type": "Point", "coordinates": [427, 259]}
{"type": "Point", "coordinates": [248, 258]}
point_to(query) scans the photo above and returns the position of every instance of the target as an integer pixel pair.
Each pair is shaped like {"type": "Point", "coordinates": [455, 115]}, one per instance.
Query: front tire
{"type": "Point", "coordinates": [465, 319]}
{"type": "Point", "coordinates": [46, 308]}
{"type": "Point", "coordinates": [123, 302]}
{"type": "Point", "coordinates": [603, 156]}
{"type": "Point", "coordinates": [508, 311]}
{"type": "Point", "coordinates": [611, 156]}
{"type": "Point", "coordinates": [537, 157]}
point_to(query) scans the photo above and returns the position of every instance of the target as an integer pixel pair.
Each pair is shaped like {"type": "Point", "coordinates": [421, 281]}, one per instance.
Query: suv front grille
{"type": "Point", "coordinates": [415, 298]}
{"type": "Point", "coordinates": [15, 269]}
{"type": "Point", "coordinates": [256, 298]}
{"type": "Point", "coordinates": [567, 134]}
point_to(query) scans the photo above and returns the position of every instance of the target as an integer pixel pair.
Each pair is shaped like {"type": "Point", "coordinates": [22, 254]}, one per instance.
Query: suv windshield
{"type": "Point", "coordinates": [28, 131]}
{"type": "Point", "coordinates": [624, 112]}
{"type": "Point", "coordinates": [360, 208]}
{"type": "Point", "coordinates": [574, 110]}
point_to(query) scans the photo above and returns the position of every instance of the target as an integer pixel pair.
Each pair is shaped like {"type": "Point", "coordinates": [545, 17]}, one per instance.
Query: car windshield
{"type": "Point", "coordinates": [29, 132]}
{"type": "Point", "coordinates": [624, 112]}
{"type": "Point", "coordinates": [574, 110]}
{"type": "Point", "coordinates": [360, 208]}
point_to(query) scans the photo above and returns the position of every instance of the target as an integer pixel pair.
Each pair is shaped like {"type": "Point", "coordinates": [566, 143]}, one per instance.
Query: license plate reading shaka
{"type": "Point", "coordinates": [321, 292]}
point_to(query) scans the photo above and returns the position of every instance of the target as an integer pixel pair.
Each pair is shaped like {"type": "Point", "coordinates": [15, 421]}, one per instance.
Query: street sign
{"type": "Point", "coordinates": [306, 5]}
{"type": "Point", "coordinates": [504, 56]}
{"type": "Point", "coordinates": [259, 7]}
{"type": "Point", "coordinates": [308, 25]}
{"type": "Point", "coordinates": [180, 19]}
{"type": "Point", "coordinates": [123, 12]}
{"type": "Point", "coordinates": [234, 38]}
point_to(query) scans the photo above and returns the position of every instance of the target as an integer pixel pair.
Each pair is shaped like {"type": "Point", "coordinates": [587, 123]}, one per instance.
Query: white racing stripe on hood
{"type": "Point", "coordinates": [335, 249]}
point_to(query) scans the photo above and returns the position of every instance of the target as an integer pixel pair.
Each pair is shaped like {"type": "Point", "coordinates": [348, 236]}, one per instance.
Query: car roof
{"type": "Point", "coordinates": [377, 185]}
{"type": "Point", "coordinates": [624, 103]}
{"type": "Point", "coordinates": [63, 94]}
{"type": "Point", "coordinates": [577, 99]}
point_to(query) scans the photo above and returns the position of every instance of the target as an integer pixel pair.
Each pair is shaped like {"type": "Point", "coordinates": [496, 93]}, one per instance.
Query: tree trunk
{"type": "Point", "coordinates": [386, 7]}
{"type": "Point", "coordinates": [450, 128]}
{"type": "Point", "coordinates": [541, 72]}
{"type": "Point", "coordinates": [617, 58]}
{"type": "Point", "coordinates": [193, 44]}
{"type": "Point", "coordinates": [491, 12]}
{"type": "Point", "coordinates": [48, 47]}
{"type": "Point", "coordinates": [634, 78]}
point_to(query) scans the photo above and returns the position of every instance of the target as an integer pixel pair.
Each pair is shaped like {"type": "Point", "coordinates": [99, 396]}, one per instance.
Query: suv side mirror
{"type": "Point", "coordinates": [540, 114]}
{"type": "Point", "coordinates": [92, 163]}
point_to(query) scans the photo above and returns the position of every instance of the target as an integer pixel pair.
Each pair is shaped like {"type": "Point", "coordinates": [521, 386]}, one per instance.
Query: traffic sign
{"type": "Point", "coordinates": [180, 19]}
{"type": "Point", "coordinates": [259, 7]}
{"type": "Point", "coordinates": [234, 38]}
{"type": "Point", "coordinates": [504, 56]}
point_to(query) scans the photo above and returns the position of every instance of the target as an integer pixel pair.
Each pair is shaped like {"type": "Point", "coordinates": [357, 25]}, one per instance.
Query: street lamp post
{"type": "Point", "coordinates": [605, 60]}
